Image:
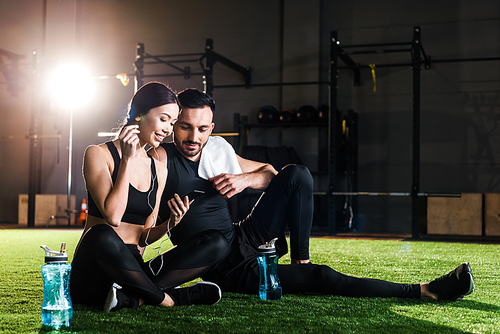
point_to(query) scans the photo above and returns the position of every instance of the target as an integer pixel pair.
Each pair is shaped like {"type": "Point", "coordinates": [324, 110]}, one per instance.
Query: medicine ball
{"type": "Point", "coordinates": [268, 114]}
{"type": "Point", "coordinates": [306, 113]}
{"type": "Point", "coordinates": [287, 116]}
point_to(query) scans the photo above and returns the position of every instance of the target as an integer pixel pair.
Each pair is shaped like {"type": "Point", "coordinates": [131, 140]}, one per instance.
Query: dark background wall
{"type": "Point", "coordinates": [280, 40]}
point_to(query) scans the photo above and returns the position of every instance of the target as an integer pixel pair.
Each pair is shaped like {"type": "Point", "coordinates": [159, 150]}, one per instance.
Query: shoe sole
{"type": "Point", "coordinates": [210, 283]}
{"type": "Point", "coordinates": [108, 304]}
{"type": "Point", "coordinates": [471, 284]}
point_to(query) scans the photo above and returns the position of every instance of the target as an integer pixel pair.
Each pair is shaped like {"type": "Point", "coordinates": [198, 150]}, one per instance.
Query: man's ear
{"type": "Point", "coordinates": [212, 128]}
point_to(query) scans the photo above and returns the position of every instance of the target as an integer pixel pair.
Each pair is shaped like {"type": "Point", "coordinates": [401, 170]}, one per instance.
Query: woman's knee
{"type": "Point", "coordinates": [217, 243]}
{"type": "Point", "coordinates": [102, 234]}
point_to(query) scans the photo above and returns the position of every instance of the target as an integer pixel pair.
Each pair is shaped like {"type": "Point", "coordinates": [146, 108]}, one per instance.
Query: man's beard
{"type": "Point", "coordinates": [187, 153]}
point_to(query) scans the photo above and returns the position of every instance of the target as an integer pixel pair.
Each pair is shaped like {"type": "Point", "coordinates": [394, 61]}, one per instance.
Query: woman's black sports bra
{"type": "Point", "coordinates": [140, 204]}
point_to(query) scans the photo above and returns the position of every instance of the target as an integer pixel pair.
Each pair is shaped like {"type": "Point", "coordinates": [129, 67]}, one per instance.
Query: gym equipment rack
{"type": "Point", "coordinates": [337, 52]}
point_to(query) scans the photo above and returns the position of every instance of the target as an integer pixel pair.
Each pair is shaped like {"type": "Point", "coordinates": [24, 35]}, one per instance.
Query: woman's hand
{"type": "Point", "coordinates": [129, 141]}
{"type": "Point", "coordinates": [178, 208]}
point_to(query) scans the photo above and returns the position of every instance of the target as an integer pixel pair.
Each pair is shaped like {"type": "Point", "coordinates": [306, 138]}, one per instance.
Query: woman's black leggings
{"type": "Point", "coordinates": [103, 258]}
{"type": "Point", "coordinates": [288, 201]}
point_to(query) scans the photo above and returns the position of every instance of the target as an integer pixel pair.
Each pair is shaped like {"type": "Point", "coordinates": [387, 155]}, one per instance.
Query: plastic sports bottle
{"type": "Point", "coordinates": [269, 282]}
{"type": "Point", "coordinates": [57, 309]}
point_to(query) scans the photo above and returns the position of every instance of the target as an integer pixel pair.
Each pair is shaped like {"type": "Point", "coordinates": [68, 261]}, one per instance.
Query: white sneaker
{"type": "Point", "coordinates": [112, 299]}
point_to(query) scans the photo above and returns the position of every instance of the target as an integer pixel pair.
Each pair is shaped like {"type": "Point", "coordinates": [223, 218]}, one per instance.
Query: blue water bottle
{"type": "Point", "coordinates": [57, 309]}
{"type": "Point", "coordinates": [269, 282]}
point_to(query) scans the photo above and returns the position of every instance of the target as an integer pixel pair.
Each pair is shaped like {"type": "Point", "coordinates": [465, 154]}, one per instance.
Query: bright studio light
{"type": "Point", "coordinates": [71, 86]}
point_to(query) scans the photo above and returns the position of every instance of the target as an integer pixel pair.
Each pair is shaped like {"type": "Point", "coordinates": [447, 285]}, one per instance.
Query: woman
{"type": "Point", "coordinates": [124, 187]}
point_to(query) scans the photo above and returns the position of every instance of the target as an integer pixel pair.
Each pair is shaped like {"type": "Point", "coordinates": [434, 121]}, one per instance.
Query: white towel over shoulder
{"type": "Point", "coordinates": [217, 157]}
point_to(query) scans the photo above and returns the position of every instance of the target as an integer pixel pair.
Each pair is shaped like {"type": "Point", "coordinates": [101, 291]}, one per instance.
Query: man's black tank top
{"type": "Point", "coordinates": [140, 204]}
{"type": "Point", "coordinates": [209, 211]}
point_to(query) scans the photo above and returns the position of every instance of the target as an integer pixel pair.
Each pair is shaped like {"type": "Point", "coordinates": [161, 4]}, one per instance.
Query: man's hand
{"type": "Point", "coordinates": [229, 185]}
{"type": "Point", "coordinates": [256, 175]}
{"type": "Point", "coordinates": [178, 208]}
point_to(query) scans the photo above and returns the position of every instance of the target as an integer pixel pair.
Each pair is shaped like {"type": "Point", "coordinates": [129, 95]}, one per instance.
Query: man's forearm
{"type": "Point", "coordinates": [260, 178]}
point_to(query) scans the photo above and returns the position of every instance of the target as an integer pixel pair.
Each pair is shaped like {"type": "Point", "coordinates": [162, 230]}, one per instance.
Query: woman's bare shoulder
{"type": "Point", "coordinates": [99, 150]}
{"type": "Point", "coordinates": [97, 156]}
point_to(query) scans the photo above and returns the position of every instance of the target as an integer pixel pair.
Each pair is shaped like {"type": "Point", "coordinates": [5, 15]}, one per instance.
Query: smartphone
{"type": "Point", "coordinates": [194, 194]}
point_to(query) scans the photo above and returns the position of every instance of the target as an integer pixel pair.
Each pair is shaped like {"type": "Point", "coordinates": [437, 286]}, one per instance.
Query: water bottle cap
{"type": "Point", "coordinates": [268, 247]}
{"type": "Point", "coordinates": [55, 257]}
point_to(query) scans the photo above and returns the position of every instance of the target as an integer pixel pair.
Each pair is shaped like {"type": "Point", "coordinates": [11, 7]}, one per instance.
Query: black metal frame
{"type": "Point", "coordinates": [206, 60]}
{"type": "Point", "coordinates": [416, 51]}
{"type": "Point", "coordinates": [34, 161]}
{"type": "Point", "coordinates": [336, 52]}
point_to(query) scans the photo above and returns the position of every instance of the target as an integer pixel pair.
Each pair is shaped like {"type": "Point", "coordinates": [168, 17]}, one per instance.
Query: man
{"type": "Point", "coordinates": [196, 161]}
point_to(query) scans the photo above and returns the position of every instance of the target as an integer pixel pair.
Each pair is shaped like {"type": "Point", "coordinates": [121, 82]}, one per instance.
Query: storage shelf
{"type": "Point", "coordinates": [286, 125]}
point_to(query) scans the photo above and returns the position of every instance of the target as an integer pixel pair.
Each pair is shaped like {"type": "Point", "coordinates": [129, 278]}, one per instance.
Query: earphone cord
{"type": "Point", "coordinates": [154, 224]}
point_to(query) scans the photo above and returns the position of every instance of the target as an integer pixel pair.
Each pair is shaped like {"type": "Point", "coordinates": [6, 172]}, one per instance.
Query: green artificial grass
{"type": "Point", "coordinates": [21, 292]}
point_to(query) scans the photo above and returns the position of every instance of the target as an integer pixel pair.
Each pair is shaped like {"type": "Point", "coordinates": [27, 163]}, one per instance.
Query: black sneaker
{"type": "Point", "coordinates": [454, 285]}
{"type": "Point", "coordinates": [201, 293]}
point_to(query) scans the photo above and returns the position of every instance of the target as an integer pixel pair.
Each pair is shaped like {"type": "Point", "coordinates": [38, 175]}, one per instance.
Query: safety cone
{"type": "Point", "coordinates": [83, 213]}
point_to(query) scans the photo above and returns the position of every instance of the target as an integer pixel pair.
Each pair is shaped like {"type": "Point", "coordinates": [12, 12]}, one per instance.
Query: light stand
{"type": "Point", "coordinates": [71, 87]}
{"type": "Point", "coordinates": [70, 163]}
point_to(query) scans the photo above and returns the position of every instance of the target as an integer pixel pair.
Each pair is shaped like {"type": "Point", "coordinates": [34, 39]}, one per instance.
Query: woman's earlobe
{"type": "Point", "coordinates": [138, 119]}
